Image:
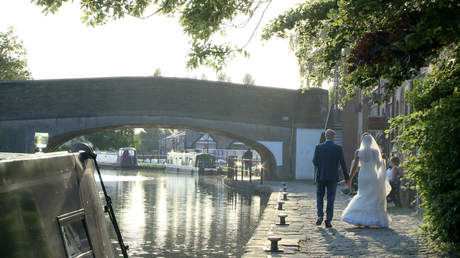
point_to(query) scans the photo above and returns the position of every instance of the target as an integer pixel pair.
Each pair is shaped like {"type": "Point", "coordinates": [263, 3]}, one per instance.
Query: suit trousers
{"type": "Point", "coordinates": [321, 188]}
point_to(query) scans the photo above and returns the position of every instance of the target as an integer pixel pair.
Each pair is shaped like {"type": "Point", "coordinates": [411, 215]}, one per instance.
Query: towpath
{"type": "Point", "coordinates": [302, 238]}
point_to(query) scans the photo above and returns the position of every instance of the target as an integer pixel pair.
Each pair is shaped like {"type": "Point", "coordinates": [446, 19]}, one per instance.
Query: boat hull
{"type": "Point", "coordinates": [187, 170]}
{"type": "Point", "coordinates": [50, 207]}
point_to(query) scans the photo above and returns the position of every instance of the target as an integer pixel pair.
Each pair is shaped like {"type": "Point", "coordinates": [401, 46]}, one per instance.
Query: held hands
{"type": "Point", "coordinates": [348, 182]}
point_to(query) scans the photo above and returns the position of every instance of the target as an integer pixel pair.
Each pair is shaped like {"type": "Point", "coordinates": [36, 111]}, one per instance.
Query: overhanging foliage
{"type": "Point", "coordinates": [369, 40]}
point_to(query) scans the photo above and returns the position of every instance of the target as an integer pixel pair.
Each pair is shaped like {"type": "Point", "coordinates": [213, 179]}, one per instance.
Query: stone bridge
{"type": "Point", "coordinates": [282, 125]}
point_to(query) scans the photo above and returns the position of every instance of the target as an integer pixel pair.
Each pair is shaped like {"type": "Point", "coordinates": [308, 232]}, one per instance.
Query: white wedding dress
{"type": "Point", "coordinates": [369, 205]}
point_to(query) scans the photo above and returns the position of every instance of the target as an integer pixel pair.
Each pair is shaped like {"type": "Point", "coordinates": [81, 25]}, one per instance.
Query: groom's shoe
{"type": "Point", "coordinates": [328, 224]}
{"type": "Point", "coordinates": [319, 221]}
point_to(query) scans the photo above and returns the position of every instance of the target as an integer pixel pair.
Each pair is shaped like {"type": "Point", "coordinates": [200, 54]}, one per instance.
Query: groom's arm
{"type": "Point", "coordinates": [346, 175]}
{"type": "Point", "coordinates": [315, 156]}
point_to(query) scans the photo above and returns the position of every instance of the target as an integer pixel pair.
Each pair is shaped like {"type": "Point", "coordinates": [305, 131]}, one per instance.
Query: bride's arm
{"type": "Point", "coordinates": [354, 169]}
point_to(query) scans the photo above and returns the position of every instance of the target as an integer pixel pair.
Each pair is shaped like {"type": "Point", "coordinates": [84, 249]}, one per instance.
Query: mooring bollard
{"type": "Point", "coordinates": [285, 196]}
{"type": "Point", "coordinates": [274, 244]}
{"type": "Point", "coordinates": [280, 205]}
{"type": "Point", "coordinates": [282, 220]}
{"type": "Point", "coordinates": [283, 186]}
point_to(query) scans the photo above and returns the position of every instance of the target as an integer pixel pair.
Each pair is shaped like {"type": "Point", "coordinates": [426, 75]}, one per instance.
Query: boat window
{"type": "Point", "coordinates": [75, 235]}
{"type": "Point", "coordinates": [131, 153]}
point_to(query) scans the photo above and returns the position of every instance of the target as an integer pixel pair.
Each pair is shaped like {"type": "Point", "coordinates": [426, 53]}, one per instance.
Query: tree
{"type": "Point", "coordinates": [157, 73]}
{"type": "Point", "coordinates": [433, 130]}
{"type": "Point", "coordinates": [247, 79]}
{"type": "Point", "coordinates": [387, 39]}
{"type": "Point", "coordinates": [68, 145]}
{"type": "Point", "coordinates": [222, 77]}
{"type": "Point", "coordinates": [114, 139]}
{"type": "Point", "coordinates": [149, 140]}
{"type": "Point", "coordinates": [13, 62]}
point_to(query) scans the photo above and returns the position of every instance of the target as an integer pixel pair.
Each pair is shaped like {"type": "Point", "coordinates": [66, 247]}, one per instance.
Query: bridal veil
{"type": "Point", "coordinates": [370, 150]}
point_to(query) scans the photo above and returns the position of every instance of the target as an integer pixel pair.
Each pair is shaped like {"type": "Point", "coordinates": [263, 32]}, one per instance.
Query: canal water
{"type": "Point", "coordinates": [170, 215]}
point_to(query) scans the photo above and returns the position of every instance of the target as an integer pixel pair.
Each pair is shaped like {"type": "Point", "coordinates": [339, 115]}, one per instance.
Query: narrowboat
{"type": "Point", "coordinates": [191, 163]}
{"type": "Point", "coordinates": [125, 157]}
{"type": "Point", "coordinates": [50, 206]}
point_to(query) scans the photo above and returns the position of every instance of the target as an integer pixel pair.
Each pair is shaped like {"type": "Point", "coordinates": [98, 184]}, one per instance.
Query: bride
{"type": "Point", "coordinates": [369, 207]}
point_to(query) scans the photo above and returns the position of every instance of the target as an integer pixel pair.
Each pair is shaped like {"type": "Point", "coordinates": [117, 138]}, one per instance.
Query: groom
{"type": "Point", "coordinates": [326, 160]}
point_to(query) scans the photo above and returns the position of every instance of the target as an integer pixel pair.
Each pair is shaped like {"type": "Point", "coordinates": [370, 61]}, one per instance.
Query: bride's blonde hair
{"type": "Point", "coordinates": [366, 146]}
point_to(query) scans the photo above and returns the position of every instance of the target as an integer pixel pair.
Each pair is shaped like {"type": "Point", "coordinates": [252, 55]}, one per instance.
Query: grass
{"type": "Point", "coordinates": [151, 164]}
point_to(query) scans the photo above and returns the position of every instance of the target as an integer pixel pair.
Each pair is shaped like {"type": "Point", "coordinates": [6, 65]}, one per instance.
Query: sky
{"type": "Point", "coordinates": [60, 46]}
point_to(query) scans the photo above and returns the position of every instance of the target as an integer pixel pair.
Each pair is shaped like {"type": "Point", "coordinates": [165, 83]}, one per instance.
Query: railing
{"type": "Point", "coordinates": [242, 169]}
{"type": "Point", "coordinates": [328, 116]}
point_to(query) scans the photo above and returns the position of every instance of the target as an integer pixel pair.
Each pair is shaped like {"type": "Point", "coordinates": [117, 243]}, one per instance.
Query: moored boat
{"type": "Point", "coordinates": [50, 206]}
{"type": "Point", "coordinates": [192, 163]}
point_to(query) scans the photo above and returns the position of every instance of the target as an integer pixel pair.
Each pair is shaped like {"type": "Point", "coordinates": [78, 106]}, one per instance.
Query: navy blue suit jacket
{"type": "Point", "coordinates": [326, 159]}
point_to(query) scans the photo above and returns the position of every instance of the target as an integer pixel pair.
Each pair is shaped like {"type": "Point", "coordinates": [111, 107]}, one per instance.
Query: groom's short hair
{"type": "Point", "coordinates": [329, 134]}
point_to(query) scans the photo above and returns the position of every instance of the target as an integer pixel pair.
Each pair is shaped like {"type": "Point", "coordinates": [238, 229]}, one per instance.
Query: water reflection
{"type": "Point", "coordinates": [170, 215]}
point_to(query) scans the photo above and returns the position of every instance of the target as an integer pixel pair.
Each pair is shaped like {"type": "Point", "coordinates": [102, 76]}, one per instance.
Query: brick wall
{"type": "Point", "coordinates": [350, 137]}
{"type": "Point", "coordinates": [39, 99]}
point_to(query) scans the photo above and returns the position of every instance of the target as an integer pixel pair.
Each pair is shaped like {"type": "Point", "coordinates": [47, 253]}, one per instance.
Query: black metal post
{"type": "Point", "coordinates": [250, 171]}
